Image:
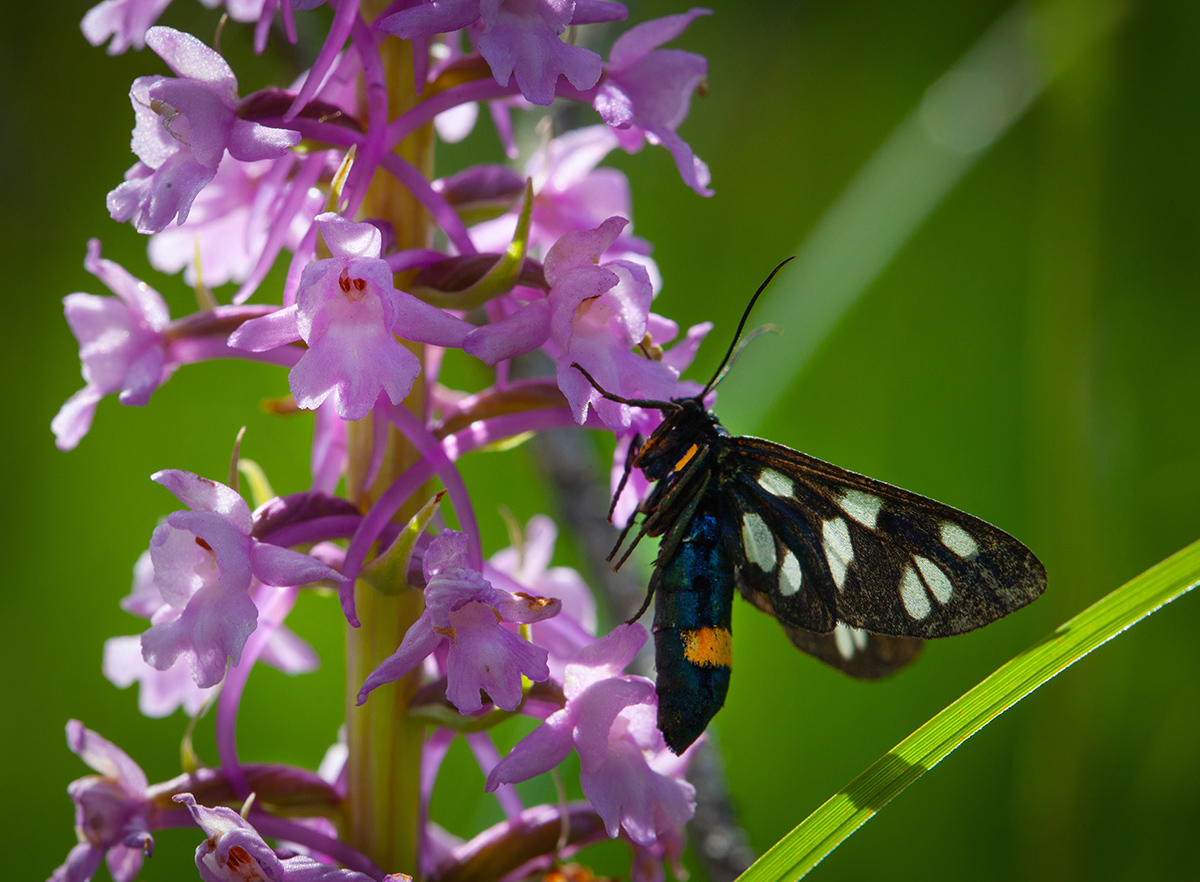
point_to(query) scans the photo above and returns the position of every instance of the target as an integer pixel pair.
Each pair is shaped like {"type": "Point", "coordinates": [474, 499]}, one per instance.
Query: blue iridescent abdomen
{"type": "Point", "coordinates": [692, 617]}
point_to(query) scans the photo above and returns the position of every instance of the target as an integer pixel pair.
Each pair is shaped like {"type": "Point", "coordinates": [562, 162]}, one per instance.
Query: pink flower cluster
{"type": "Point", "coordinates": [513, 263]}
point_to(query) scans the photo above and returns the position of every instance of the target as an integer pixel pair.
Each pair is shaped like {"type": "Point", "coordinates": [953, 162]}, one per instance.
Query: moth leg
{"type": "Point", "coordinates": [624, 532]}
{"type": "Point", "coordinates": [635, 444]}
{"type": "Point", "coordinates": [654, 580]}
{"type": "Point", "coordinates": [664, 509]}
{"type": "Point", "coordinates": [667, 548]}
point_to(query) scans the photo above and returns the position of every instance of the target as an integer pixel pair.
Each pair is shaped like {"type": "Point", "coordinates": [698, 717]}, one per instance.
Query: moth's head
{"type": "Point", "coordinates": [691, 416]}
{"type": "Point", "coordinates": [682, 434]}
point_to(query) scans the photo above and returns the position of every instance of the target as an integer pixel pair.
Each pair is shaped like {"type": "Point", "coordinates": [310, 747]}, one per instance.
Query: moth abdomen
{"type": "Point", "coordinates": [692, 638]}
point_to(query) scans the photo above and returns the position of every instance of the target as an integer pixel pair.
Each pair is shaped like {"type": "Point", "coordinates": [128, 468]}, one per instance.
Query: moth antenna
{"type": "Point", "coordinates": [737, 334]}
{"type": "Point", "coordinates": [739, 349]}
{"type": "Point", "coordinates": [632, 402]}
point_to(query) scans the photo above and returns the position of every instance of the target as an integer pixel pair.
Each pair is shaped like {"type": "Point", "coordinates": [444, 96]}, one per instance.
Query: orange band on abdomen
{"type": "Point", "coordinates": [708, 647]}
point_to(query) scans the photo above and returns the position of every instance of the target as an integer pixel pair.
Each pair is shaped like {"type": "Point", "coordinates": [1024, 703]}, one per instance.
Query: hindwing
{"type": "Point", "coordinates": [855, 651]}
{"type": "Point", "coordinates": [820, 546]}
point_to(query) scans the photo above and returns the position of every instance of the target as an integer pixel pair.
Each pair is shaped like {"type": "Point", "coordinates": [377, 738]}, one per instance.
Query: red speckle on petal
{"type": "Point", "coordinates": [94, 829]}
{"type": "Point", "coordinates": [241, 866]}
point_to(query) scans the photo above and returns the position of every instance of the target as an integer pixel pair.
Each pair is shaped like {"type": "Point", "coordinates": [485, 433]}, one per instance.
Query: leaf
{"type": "Point", "coordinates": [260, 487]}
{"type": "Point", "coordinates": [388, 573]}
{"type": "Point", "coordinates": [339, 180]}
{"type": "Point", "coordinates": [843, 813]}
{"type": "Point", "coordinates": [499, 275]}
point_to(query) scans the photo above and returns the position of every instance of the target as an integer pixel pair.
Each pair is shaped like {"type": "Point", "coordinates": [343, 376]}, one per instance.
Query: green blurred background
{"type": "Point", "coordinates": [1000, 317]}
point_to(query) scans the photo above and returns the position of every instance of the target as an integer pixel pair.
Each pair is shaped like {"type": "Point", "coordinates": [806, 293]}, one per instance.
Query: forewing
{"type": "Point", "coordinates": [857, 652]}
{"type": "Point", "coordinates": [778, 559]}
{"type": "Point", "coordinates": [823, 545]}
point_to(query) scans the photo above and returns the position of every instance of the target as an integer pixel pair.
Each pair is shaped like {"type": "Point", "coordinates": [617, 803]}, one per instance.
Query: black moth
{"type": "Point", "coordinates": [857, 571]}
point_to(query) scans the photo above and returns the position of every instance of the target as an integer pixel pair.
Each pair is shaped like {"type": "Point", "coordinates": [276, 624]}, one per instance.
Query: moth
{"type": "Point", "coordinates": [857, 572]}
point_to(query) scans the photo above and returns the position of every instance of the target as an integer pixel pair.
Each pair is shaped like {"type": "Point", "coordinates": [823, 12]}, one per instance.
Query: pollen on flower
{"type": "Point", "coordinates": [650, 349]}
{"type": "Point", "coordinates": [534, 603]}
{"type": "Point", "coordinates": [574, 873]}
{"type": "Point", "coordinates": [203, 544]}
{"type": "Point", "coordinates": [352, 288]}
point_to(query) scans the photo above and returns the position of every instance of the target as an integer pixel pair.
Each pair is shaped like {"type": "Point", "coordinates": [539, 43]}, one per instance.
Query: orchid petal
{"type": "Point", "coordinates": [273, 565]}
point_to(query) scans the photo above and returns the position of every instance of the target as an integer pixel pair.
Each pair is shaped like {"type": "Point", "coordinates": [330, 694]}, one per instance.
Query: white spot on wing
{"type": "Point", "coordinates": [937, 581]}
{"type": "Point", "coordinates": [912, 592]}
{"type": "Point", "coordinates": [959, 540]}
{"type": "Point", "coordinates": [777, 484]}
{"type": "Point", "coordinates": [789, 575]}
{"type": "Point", "coordinates": [860, 638]}
{"type": "Point", "coordinates": [863, 507]}
{"type": "Point", "coordinates": [849, 641]}
{"type": "Point", "coordinates": [758, 541]}
{"type": "Point", "coordinates": [838, 550]}
{"type": "Point", "coordinates": [844, 641]}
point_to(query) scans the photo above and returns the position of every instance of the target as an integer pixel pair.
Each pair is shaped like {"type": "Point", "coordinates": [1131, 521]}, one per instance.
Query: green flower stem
{"type": "Point", "coordinates": [843, 813]}
{"type": "Point", "coordinates": [383, 795]}
{"type": "Point", "coordinates": [383, 769]}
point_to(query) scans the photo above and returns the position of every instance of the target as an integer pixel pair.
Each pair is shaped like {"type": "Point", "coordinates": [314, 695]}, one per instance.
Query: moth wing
{"type": "Point", "coordinates": [857, 652]}
{"type": "Point", "coordinates": [821, 545]}
{"type": "Point", "coordinates": [778, 561]}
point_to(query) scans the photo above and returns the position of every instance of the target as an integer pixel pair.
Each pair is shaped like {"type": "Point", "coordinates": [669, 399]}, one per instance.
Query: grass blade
{"type": "Point", "coordinates": [843, 813]}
